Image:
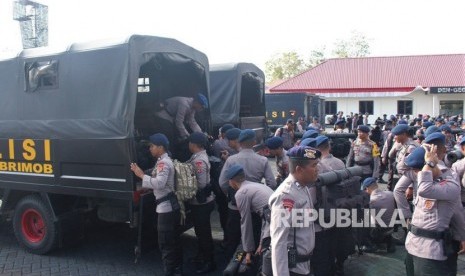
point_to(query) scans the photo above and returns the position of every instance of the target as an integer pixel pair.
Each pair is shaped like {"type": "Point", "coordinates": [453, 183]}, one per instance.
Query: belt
{"type": "Point", "coordinates": [430, 234]}
{"type": "Point", "coordinates": [362, 163]}
{"type": "Point", "coordinates": [165, 198]}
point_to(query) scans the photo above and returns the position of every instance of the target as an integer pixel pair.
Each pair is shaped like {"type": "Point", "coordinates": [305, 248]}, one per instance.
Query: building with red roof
{"type": "Point", "coordinates": [409, 85]}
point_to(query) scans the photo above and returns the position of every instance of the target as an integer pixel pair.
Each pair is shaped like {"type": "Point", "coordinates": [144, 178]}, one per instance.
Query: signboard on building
{"type": "Point", "coordinates": [447, 90]}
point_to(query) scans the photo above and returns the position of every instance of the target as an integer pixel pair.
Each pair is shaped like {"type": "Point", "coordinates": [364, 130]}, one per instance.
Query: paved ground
{"type": "Point", "coordinates": [108, 250]}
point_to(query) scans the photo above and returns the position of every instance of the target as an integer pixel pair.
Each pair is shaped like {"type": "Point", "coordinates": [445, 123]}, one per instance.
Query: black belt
{"type": "Point", "coordinates": [165, 198]}
{"type": "Point", "coordinates": [430, 234]}
{"type": "Point", "coordinates": [362, 163]}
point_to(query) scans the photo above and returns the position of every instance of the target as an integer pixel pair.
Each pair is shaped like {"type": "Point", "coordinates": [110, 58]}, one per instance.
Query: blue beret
{"type": "Point", "coordinates": [321, 140]}
{"type": "Point", "coordinates": [439, 119]}
{"type": "Point", "coordinates": [399, 129]}
{"type": "Point", "coordinates": [416, 159]}
{"type": "Point", "coordinates": [308, 142]}
{"type": "Point", "coordinates": [198, 138]}
{"type": "Point", "coordinates": [427, 124]}
{"type": "Point", "coordinates": [310, 134]}
{"type": "Point", "coordinates": [402, 122]}
{"type": "Point", "coordinates": [233, 134]}
{"type": "Point", "coordinates": [363, 128]}
{"type": "Point", "coordinates": [446, 128]}
{"type": "Point", "coordinates": [233, 171]}
{"type": "Point", "coordinates": [202, 100]}
{"type": "Point", "coordinates": [159, 139]}
{"type": "Point", "coordinates": [274, 142]}
{"type": "Point", "coordinates": [226, 127]}
{"type": "Point", "coordinates": [310, 128]}
{"type": "Point", "coordinates": [393, 118]}
{"type": "Point", "coordinates": [368, 182]}
{"type": "Point", "coordinates": [435, 138]}
{"type": "Point", "coordinates": [340, 122]}
{"type": "Point", "coordinates": [452, 123]}
{"type": "Point", "coordinates": [431, 129]}
{"type": "Point", "coordinates": [462, 141]}
{"type": "Point", "coordinates": [303, 153]}
{"type": "Point", "coordinates": [246, 135]}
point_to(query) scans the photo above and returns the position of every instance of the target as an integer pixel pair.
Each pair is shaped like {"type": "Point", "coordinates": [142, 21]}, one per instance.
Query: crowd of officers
{"type": "Point", "coordinates": [427, 191]}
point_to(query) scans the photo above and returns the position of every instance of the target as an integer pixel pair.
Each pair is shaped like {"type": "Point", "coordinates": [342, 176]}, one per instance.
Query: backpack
{"type": "Point", "coordinates": [185, 184]}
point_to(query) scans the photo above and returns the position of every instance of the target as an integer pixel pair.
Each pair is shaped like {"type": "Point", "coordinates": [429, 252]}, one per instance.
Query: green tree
{"type": "Point", "coordinates": [356, 46]}
{"type": "Point", "coordinates": [284, 66]}
{"type": "Point", "coordinates": [316, 57]}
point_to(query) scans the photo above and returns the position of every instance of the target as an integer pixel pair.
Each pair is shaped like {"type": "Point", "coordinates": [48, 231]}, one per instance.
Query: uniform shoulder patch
{"type": "Point", "coordinates": [288, 203]}
{"type": "Point", "coordinates": [375, 151]}
{"type": "Point", "coordinates": [160, 166]}
{"type": "Point", "coordinates": [198, 166]}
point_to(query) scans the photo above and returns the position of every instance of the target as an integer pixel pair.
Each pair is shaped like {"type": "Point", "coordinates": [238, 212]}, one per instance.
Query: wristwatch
{"type": "Point", "coordinates": [431, 164]}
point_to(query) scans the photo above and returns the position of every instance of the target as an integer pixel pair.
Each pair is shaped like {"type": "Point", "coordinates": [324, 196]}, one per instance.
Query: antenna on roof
{"type": "Point", "coordinates": [33, 22]}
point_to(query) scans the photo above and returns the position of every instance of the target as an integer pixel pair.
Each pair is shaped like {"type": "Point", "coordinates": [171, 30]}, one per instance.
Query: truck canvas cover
{"type": "Point", "coordinates": [226, 83]}
{"type": "Point", "coordinates": [67, 118]}
{"type": "Point", "coordinates": [94, 94]}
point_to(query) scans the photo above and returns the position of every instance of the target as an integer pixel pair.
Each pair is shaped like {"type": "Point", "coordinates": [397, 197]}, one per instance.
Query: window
{"type": "Point", "coordinates": [41, 75]}
{"type": "Point", "coordinates": [330, 107]}
{"type": "Point", "coordinates": [404, 107]}
{"type": "Point", "coordinates": [451, 108]}
{"type": "Point", "coordinates": [365, 107]}
{"type": "Point", "coordinates": [143, 85]}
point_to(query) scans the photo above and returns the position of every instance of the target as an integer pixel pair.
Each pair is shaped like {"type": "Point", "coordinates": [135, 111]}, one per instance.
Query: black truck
{"type": "Point", "coordinates": [71, 123]}
{"type": "Point", "coordinates": [283, 106]}
{"type": "Point", "coordinates": [238, 97]}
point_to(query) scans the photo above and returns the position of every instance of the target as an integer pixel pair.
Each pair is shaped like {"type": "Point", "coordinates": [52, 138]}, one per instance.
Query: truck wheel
{"type": "Point", "coordinates": [33, 225]}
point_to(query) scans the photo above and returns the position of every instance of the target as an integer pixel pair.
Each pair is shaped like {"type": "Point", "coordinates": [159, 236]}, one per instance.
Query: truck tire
{"type": "Point", "coordinates": [33, 225]}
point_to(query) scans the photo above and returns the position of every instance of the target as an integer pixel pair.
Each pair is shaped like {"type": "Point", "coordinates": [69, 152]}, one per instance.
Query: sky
{"type": "Point", "coordinates": [255, 30]}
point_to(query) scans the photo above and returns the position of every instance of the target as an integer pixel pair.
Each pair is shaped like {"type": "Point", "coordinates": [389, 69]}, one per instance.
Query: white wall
{"type": "Point", "coordinates": [422, 104]}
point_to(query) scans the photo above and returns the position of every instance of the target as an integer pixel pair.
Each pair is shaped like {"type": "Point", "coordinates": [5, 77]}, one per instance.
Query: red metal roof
{"type": "Point", "coordinates": [373, 74]}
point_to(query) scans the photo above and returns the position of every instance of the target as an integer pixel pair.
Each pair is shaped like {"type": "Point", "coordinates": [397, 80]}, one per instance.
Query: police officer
{"type": "Point", "coordinates": [222, 149]}
{"type": "Point", "coordinates": [287, 133]}
{"type": "Point", "coordinates": [233, 142]}
{"type": "Point", "coordinates": [327, 260]}
{"type": "Point", "coordinates": [180, 110]}
{"type": "Point", "coordinates": [402, 148]}
{"type": "Point", "coordinates": [256, 168]}
{"type": "Point", "coordinates": [339, 127]}
{"type": "Point", "coordinates": [364, 153]}
{"type": "Point", "coordinates": [167, 207]}
{"type": "Point", "coordinates": [450, 139]}
{"type": "Point", "coordinates": [177, 112]}
{"type": "Point", "coordinates": [275, 146]}
{"type": "Point", "coordinates": [429, 242]}
{"type": "Point", "coordinates": [252, 198]}
{"type": "Point", "coordinates": [225, 205]}
{"type": "Point", "coordinates": [203, 204]}
{"type": "Point", "coordinates": [292, 243]}
{"type": "Point", "coordinates": [459, 168]}
{"type": "Point", "coordinates": [380, 201]}
{"type": "Point", "coordinates": [222, 144]}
